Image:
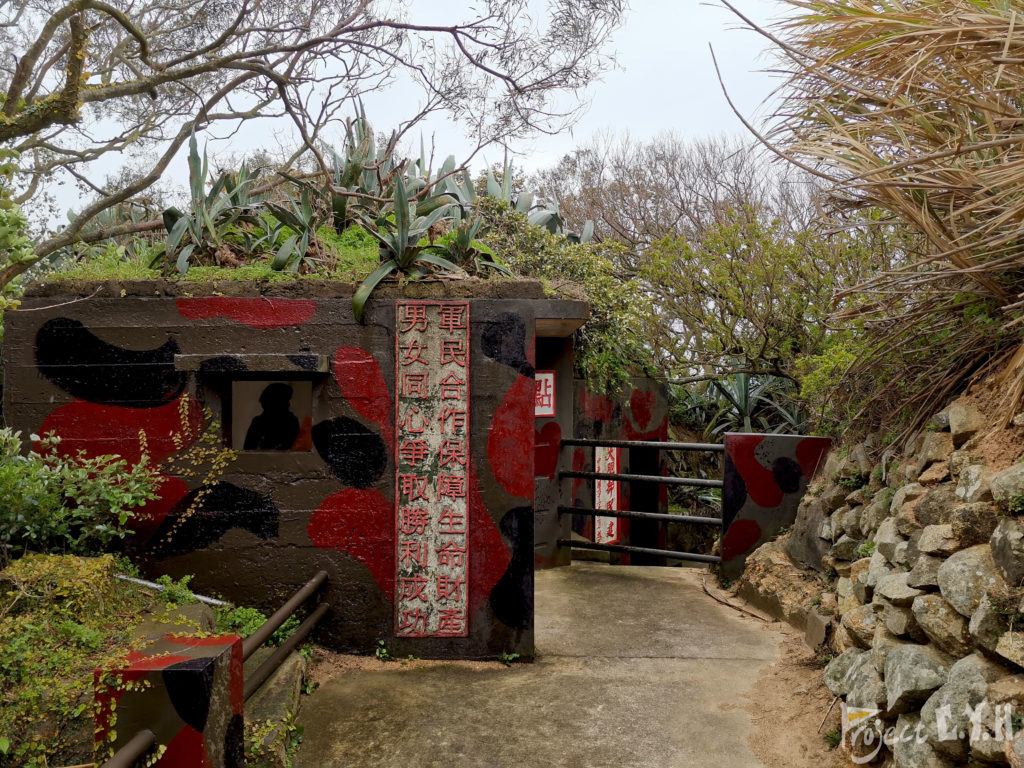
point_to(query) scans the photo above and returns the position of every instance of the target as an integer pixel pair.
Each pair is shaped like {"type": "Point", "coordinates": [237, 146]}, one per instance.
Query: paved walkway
{"type": "Point", "coordinates": [636, 668]}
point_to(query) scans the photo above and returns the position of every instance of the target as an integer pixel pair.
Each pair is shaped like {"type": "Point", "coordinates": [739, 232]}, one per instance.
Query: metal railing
{"type": "Point", "coordinates": [693, 482]}
{"type": "Point", "coordinates": [143, 741]}
{"type": "Point", "coordinates": [252, 643]}
{"type": "Point", "coordinates": [134, 750]}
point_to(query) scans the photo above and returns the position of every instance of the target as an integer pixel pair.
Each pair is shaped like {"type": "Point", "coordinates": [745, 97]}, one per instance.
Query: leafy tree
{"type": "Point", "coordinates": [610, 347]}
{"type": "Point", "coordinates": [88, 79]}
{"type": "Point", "coordinates": [750, 296]}
{"type": "Point", "coordinates": [915, 109]}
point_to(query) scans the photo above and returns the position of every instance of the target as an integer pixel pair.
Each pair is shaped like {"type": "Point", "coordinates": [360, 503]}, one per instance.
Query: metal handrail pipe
{"type": "Point", "coordinates": [266, 669]}
{"type": "Point", "coordinates": [695, 557]}
{"type": "Point", "coordinates": [133, 750]}
{"type": "Point", "coordinates": [658, 444]}
{"type": "Point", "coordinates": [271, 625]}
{"type": "Point", "coordinates": [640, 515]}
{"type": "Point", "coordinates": [693, 482]}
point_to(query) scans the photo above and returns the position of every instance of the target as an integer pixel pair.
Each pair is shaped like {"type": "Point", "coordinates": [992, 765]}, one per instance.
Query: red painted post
{"type": "Point", "coordinates": [186, 690]}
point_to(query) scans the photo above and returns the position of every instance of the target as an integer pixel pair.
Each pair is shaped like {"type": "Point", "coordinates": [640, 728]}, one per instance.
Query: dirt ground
{"type": "Point", "coordinates": [787, 706]}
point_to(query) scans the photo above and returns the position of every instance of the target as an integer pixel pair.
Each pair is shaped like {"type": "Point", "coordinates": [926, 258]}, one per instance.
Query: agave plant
{"type": "Point", "coordinates": [465, 248]}
{"type": "Point", "coordinates": [228, 203]}
{"type": "Point", "coordinates": [400, 232]}
{"type": "Point", "coordinates": [361, 173]}
{"type": "Point", "coordinates": [302, 217]}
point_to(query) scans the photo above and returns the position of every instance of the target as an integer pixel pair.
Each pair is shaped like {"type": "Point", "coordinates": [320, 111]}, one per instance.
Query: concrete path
{"type": "Point", "coordinates": [636, 668]}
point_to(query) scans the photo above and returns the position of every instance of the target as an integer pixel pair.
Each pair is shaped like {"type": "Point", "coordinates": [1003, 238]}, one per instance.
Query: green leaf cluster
{"type": "Point", "coordinates": [243, 621]}
{"type": "Point", "coordinates": [74, 504]}
{"type": "Point", "coordinates": [610, 347]}
{"type": "Point", "coordinates": [61, 617]}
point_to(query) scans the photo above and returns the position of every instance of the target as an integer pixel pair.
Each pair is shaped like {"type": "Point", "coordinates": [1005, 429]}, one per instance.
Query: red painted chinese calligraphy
{"type": "Point", "coordinates": [606, 495]}
{"type": "Point", "coordinates": [432, 479]}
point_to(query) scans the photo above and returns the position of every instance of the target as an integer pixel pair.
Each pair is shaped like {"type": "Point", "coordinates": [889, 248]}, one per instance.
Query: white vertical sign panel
{"type": "Point", "coordinates": [606, 494]}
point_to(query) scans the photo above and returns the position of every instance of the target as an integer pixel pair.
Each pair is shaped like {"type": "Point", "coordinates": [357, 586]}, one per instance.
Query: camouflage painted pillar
{"type": "Point", "coordinates": [765, 476]}
{"type": "Point", "coordinates": [187, 690]}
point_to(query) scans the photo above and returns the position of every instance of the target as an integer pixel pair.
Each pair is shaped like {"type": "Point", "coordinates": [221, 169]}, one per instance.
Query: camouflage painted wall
{"type": "Point", "coordinates": [99, 372]}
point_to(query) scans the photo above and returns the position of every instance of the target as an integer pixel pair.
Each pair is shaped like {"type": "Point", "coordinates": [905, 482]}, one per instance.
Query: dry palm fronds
{"type": "Point", "coordinates": [917, 107]}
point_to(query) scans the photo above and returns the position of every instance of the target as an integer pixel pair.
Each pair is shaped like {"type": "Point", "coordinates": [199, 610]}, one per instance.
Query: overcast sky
{"type": "Point", "coordinates": [665, 81]}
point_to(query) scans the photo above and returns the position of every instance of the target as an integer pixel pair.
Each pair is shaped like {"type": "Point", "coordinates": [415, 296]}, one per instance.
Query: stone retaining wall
{"type": "Point", "coordinates": [910, 571]}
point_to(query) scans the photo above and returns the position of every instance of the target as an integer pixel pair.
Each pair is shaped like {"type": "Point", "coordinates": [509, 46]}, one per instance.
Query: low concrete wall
{"type": "Point", "coordinates": [104, 364]}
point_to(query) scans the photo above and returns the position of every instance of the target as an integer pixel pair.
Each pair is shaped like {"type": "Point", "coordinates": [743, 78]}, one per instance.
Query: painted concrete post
{"type": "Point", "coordinates": [640, 412]}
{"type": "Point", "coordinates": [765, 476]}
{"type": "Point", "coordinates": [187, 690]}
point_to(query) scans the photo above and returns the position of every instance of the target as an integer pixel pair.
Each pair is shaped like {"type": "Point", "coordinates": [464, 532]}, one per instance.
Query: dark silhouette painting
{"type": "Point", "coordinates": [278, 419]}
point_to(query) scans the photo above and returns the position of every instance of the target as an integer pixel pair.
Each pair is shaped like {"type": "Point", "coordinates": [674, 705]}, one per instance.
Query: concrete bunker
{"type": "Point", "coordinates": [397, 454]}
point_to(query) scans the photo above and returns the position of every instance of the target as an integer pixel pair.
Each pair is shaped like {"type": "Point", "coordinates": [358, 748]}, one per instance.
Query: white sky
{"type": "Point", "coordinates": [665, 81]}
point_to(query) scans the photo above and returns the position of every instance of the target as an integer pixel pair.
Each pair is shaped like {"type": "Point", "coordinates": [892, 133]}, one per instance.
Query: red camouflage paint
{"type": "Point", "coordinates": [509, 442]}
{"type": "Point", "coordinates": [99, 430]}
{"type": "Point", "coordinates": [546, 446]}
{"type": "Point", "coordinates": [359, 523]}
{"type": "Point", "coordinates": [759, 480]}
{"type": "Point", "coordinates": [362, 383]}
{"type": "Point", "coordinates": [260, 312]}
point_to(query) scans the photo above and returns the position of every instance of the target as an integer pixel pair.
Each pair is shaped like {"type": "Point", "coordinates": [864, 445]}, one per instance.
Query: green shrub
{"type": "Point", "coordinates": [867, 549]}
{"type": "Point", "coordinates": [66, 504]}
{"type": "Point", "coordinates": [61, 617]}
{"type": "Point", "coordinates": [610, 347]}
{"type": "Point", "coordinates": [242, 620]}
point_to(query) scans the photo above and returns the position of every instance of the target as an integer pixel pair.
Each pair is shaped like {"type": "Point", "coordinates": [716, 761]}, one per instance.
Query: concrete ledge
{"type": "Point", "coordinates": [463, 288]}
{"type": "Point", "coordinates": [270, 712]}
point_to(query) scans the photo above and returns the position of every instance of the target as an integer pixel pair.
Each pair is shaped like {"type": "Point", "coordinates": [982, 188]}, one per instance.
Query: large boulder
{"type": "Point", "coordinates": [967, 576]}
{"type": "Point", "coordinates": [837, 671]}
{"type": "Point", "coordinates": [905, 494]}
{"type": "Point", "coordinates": [965, 422]}
{"type": "Point", "coordinates": [804, 545]}
{"type": "Point", "coordinates": [878, 568]}
{"type": "Point", "coordinates": [899, 620]}
{"type": "Point", "coordinates": [945, 714]}
{"type": "Point", "coordinates": [874, 513]}
{"type": "Point", "coordinates": [1008, 550]}
{"type": "Point", "coordinates": [987, 625]}
{"type": "Point", "coordinates": [936, 506]}
{"type": "Point", "coordinates": [883, 642]}
{"type": "Point", "coordinates": [936, 473]}
{"type": "Point", "coordinates": [942, 625]}
{"type": "Point", "coordinates": [859, 577]}
{"type": "Point", "coordinates": [936, 446]}
{"type": "Point", "coordinates": [912, 672]}
{"type": "Point", "coordinates": [1011, 648]}
{"type": "Point", "coordinates": [851, 522]}
{"type": "Point", "coordinates": [960, 460]}
{"type": "Point", "coordinates": [925, 573]}
{"type": "Point", "coordinates": [845, 548]}
{"type": "Point", "coordinates": [974, 484]}
{"type": "Point", "coordinates": [887, 537]}
{"type": "Point", "coordinates": [894, 588]}
{"type": "Point", "coordinates": [865, 687]}
{"type": "Point", "coordinates": [938, 540]}
{"type": "Point", "coordinates": [1008, 484]}
{"type": "Point", "coordinates": [973, 523]}
{"type": "Point", "coordinates": [911, 750]}
{"type": "Point", "coordinates": [832, 497]}
{"type": "Point", "coordinates": [860, 623]}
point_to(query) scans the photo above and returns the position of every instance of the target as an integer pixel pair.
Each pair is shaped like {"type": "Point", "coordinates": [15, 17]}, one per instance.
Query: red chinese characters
{"type": "Point", "coordinates": [432, 479]}
{"type": "Point", "coordinates": [606, 494]}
